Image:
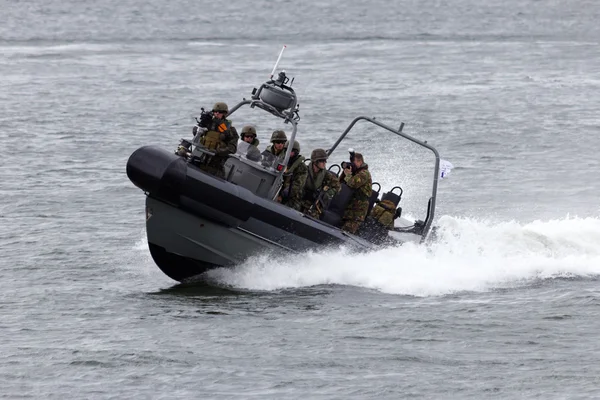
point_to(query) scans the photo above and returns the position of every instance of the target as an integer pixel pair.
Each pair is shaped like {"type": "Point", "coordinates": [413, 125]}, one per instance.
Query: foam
{"type": "Point", "coordinates": [468, 255]}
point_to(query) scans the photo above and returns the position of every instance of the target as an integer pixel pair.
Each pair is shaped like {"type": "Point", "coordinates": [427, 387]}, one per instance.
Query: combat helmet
{"type": "Point", "coordinates": [278, 136]}
{"type": "Point", "coordinates": [248, 130]}
{"type": "Point", "coordinates": [296, 146]}
{"type": "Point", "coordinates": [318, 154]}
{"type": "Point", "coordinates": [220, 106]}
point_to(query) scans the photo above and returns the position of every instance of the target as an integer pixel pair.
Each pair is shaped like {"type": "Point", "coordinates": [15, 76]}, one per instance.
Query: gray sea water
{"type": "Point", "coordinates": [504, 305]}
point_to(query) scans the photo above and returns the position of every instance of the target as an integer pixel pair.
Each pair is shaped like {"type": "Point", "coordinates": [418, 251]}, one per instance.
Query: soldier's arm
{"type": "Point", "coordinates": [230, 142]}
{"type": "Point", "coordinates": [333, 185]}
{"type": "Point", "coordinates": [297, 189]}
{"type": "Point", "coordinates": [234, 133]}
{"type": "Point", "coordinates": [356, 181]}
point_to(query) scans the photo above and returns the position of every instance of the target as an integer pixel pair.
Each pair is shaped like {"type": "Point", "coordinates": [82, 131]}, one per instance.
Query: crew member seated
{"type": "Point", "coordinates": [249, 136]}
{"type": "Point", "coordinates": [278, 139]}
{"type": "Point", "coordinates": [294, 178]}
{"type": "Point", "coordinates": [357, 176]}
{"type": "Point", "coordinates": [321, 185]}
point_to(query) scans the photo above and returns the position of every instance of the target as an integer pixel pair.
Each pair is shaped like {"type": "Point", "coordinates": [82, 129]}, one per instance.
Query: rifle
{"type": "Point", "coordinates": [319, 204]}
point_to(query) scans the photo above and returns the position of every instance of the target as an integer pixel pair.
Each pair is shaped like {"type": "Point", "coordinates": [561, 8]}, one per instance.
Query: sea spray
{"type": "Point", "coordinates": [467, 255]}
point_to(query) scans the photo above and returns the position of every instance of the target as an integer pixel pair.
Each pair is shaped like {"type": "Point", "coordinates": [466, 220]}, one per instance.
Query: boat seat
{"type": "Point", "coordinates": [335, 210]}
{"type": "Point", "coordinates": [374, 197]}
{"type": "Point", "coordinates": [339, 169]}
{"type": "Point", "coordinates": [393, 197]}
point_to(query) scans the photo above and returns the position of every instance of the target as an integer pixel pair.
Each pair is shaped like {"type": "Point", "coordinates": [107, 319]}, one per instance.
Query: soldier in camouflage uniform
{"type": "Point", "coordinates": [221, 137]}
{"type": "Point", "coordinates": [321, 185]}
{"type": "Point", "coordinates": [249, 136]}
{"type": "Point", "coordinates": [294, 178]}
{"type": "Point", "coordinates": [358, 178]}
{"type": "Point", "coordinates": [278, 140]}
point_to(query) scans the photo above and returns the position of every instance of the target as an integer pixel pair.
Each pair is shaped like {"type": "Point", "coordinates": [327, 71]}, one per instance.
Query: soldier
{"type": "Point", "coordinates": [294, 178]}
{"type": "Point", "coordinates": [321, 185]}
{"type": "Point", "coordinates": [249, 135]}
{"type": "Point", "coordinates": [278, 139]}
{"type": "Point", "coordinates": [220, 137]}
{"type": "Point", "coordinates": [358, 178]}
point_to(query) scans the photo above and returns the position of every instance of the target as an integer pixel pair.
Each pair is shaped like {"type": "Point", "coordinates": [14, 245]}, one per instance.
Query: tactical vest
{"type": "Point", "coordinates": [313, 184]}
{"type": "Point", "coordinates": [212, 137]}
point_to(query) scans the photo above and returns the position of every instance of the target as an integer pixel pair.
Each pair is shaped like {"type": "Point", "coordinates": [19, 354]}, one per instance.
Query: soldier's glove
{"type": "Point", "coordinates": [197, 130]}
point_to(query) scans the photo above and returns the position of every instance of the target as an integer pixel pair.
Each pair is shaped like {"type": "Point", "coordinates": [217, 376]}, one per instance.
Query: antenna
{"type": "Point", "coordinates": [277, 62]}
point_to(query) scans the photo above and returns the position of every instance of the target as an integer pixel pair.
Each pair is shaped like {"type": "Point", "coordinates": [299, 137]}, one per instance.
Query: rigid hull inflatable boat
{"type": "Point", "coordinates": [197, 221]}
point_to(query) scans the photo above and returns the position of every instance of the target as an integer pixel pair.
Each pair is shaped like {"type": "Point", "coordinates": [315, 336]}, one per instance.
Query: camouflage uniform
{"type": "Point", "coordinates": [356, 211]}
{"type": "Point", "coordinates": [227, 144]}
{"type": "Point", "coordinates": [277, 136]}
{"type": "Point", "coordinates": [271, 149]}
{"type": "Point", "coordinates": [315, 183]}
{"type": "Point", "coordinates": [294, 179]}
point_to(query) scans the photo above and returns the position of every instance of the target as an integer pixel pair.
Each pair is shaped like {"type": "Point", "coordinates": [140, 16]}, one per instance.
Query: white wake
{"type": "Point", "coordinates": [468, 255]}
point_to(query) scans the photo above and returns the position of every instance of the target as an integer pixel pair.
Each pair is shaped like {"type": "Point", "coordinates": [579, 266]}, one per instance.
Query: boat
{"type": "Point", "coordinates": [197, 221]}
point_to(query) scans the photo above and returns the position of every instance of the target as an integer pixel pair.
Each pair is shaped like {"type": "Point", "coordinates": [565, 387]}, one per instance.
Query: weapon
{"type": "Point", "coordinates": [319, 202]}
{"type": "Point", "coordinates": [205, 118]}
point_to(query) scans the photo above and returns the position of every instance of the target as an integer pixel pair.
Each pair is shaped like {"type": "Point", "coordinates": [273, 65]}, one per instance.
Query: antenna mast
{"type": "Point", "coordinates": [277, 62]}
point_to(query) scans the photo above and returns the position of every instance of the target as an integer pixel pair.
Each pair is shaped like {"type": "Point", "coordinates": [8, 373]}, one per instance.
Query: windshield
{"type": "Point", "coordinates": [269, 159]}
{"type": "Point", "coordinates": [252, 153]}
{"type": "Point", "coordinates": [242, 148]}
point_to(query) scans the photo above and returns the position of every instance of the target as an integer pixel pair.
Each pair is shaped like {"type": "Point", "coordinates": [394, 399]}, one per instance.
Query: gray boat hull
{"type": "Point", "coordinates": [184, 245]}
